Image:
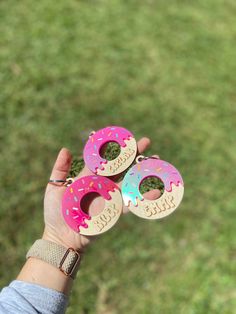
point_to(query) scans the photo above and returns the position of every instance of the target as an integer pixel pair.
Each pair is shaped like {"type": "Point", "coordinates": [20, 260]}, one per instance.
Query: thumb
{"type": "Point", "coordinates": [62, 165]}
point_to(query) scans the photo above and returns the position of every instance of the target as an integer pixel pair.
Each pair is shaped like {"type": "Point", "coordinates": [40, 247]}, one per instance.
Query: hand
{"type": "Point", "coordinates": [56, 229]}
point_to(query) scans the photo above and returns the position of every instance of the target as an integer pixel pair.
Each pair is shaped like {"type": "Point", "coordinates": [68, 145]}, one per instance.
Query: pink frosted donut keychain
{"type": "Point", "coordinates": [173, 188]}
{"type": "Point", "coordinates": [83, 223]}
{"type": "Point", "coordinates": [96, 140]}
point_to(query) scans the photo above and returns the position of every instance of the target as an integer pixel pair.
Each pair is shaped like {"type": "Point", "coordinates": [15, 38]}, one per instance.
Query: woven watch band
{"type": "Point", "coordinates": [67, 260]}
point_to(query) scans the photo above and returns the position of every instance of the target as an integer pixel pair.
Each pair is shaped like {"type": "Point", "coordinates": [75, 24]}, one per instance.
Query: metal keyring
{"type": "Point", "coordinates": [66, 182]}
{"type": "Point", "coordinates": [139, 158]}
{"type": "Point", "coordinates": [54, 181]}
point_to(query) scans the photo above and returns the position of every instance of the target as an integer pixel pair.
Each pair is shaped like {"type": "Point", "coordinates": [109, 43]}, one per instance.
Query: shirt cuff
{"type": "Point", "coordinates": [32, 297]}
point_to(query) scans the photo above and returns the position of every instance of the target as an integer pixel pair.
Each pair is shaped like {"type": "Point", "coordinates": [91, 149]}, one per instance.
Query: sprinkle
{"type": "Point", "coordinates": [113, 128]}
{"type": "Point", "coordinates": [134, 185]}
{"type": "Point", "coordinates": [91, 183]}
{"type": "Point", "coordinates": [94, 154]}
{"type": "Point", "coordinates": [109, 133]}
{"type": "Point", "coordinates": [92, 139]}
{"type": "Point", "coordinates": [77, 216]}
{"type": "Point", "coordinates": [158, 169]}
{"type": "Point", "coordinates": [95, 146]}
{"type": "Point", "coordinates": [79, 190]}
{"type": "Point", "coordinates": [67, 212]}
{"type": "Point", "coordinates": [146, 170]}
{"type": "Point", "coordinates": [139, 167]}
{"type": "Point", "coordinates": [75, 208]}
{"type": "Point", "coordinates": [83, 181]}
{"type": "Point", "coordinates": [71, 190]}
{"type": "Point", "coordinates": [76, 199]}
{"type": "Point", "coordinates": [100, 139]}
{"type": "Point", "coordinates": [99, 185]}
{"type": "Point", "coordinates": [117, 135]}
{"type": "Point", "coordinates": [95, 178]}
{"type": "Point", "coordinates": [126, 184]}
{"type": "Point", "coordinates": [132, 173]}
{"type": "Point", "coordinates": [131, 192]}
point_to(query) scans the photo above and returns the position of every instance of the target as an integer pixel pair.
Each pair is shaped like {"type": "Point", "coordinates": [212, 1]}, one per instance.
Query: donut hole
{"type": "Point", "coordinates": [92, 203]}
{"type": "Point", "coordinates": [110, 150]}
{"type": "Point", "coordinates": [149, 184]}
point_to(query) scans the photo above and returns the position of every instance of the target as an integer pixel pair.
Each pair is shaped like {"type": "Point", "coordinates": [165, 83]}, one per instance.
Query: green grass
{"type": "Point", "coordinates": [164, 69]}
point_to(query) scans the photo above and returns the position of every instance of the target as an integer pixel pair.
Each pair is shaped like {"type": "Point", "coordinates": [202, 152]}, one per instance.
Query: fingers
{"type": "Point", "coordinates": [143, 144]}
{"type": "Point", "coordinates": [62, 165]}
{"type": "Point", "coordinates": [152, 195]}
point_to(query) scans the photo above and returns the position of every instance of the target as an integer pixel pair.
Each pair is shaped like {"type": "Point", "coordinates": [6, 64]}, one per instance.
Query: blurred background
{"type": "Point", "coordinates": [163, 69]}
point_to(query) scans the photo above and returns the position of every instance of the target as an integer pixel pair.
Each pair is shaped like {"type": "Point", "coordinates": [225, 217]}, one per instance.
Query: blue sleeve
{"type": "Point", "coordinates": [22, 297]}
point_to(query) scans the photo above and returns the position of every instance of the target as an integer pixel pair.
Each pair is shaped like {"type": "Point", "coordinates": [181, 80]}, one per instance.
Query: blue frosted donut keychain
{"type": "Point", "coordinates": [173, 188]}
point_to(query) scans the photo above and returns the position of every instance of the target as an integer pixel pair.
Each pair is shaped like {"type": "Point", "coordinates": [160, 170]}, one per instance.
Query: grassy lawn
{"type": "Point", "coordinates": [163, 69]}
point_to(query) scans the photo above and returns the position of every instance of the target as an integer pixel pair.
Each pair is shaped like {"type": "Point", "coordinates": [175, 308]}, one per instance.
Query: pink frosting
{"type": "Point", "coordinates": [74, 216]}
{"type": "Point", "coordinates": [92, 148]}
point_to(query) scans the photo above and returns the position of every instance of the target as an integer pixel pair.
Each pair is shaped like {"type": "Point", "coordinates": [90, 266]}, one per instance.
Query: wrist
{"type": "Point", "coordinates": [51, 236]}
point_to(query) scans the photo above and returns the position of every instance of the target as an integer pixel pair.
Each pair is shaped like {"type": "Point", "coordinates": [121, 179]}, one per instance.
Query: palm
{"type": "Point", "coordinates": [56, 228]}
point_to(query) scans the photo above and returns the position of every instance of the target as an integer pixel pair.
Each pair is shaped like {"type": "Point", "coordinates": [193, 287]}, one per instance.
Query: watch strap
{"type": "Point", "coordinates": [66, 259]}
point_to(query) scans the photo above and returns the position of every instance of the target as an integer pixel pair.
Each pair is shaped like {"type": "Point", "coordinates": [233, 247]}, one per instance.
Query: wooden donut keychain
{"type": "Point", "coordinates": [152, 167]}
{"type": "Point", "coordinates": [101, 166]}
{"type": "Point", "coordinates": [82, 222]}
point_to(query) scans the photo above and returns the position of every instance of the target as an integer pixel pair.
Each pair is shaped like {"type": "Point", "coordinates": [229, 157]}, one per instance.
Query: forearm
{"type": "Point", "coordinates": [36, 271]}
